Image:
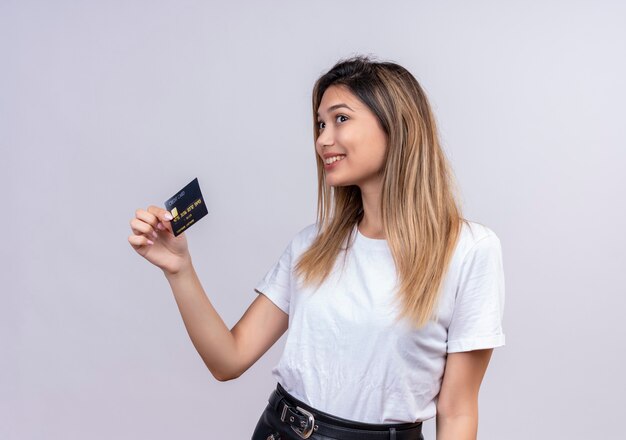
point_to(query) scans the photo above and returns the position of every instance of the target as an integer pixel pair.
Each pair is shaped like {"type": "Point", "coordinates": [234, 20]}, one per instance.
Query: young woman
{"type": "Point", "coordinates": [394, 302]}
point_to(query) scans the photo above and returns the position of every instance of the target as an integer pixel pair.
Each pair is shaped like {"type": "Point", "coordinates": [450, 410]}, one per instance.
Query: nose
{"type": "Point", "coordinates": [325, 138]}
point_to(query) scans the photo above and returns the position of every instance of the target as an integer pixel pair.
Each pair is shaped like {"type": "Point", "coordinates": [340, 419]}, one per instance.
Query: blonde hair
{"type": "Point", "coordinates": [421, 218]}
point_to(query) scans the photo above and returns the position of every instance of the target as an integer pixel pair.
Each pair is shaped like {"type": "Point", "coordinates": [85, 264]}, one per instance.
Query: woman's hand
{"type": "Point", "coordinates": [154, 240]}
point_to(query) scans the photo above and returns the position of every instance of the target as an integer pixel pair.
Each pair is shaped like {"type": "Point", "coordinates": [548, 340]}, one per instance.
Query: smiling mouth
{"type": "Point", "coordinates": [332, 160]}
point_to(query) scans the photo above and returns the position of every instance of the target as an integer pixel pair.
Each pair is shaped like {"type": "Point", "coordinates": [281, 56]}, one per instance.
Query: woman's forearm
{"type": "Point", "coordinates": [461, 427]}
{"type": "Point", "coordinates": [208, 332]}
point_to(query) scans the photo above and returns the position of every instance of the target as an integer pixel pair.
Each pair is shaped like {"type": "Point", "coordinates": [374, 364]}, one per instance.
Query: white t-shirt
{"type": "Point", "coordinates": [344, 355]}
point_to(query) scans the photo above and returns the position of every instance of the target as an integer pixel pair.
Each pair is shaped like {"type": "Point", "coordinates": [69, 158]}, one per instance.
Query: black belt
{"type": "Point", "coordinates": [305, 420]}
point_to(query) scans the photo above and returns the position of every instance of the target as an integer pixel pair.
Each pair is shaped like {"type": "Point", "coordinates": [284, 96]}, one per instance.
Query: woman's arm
{"type": "Point", "coordinates": [227, 353]}
{"type": "Point", "coordinates": [457, 404]}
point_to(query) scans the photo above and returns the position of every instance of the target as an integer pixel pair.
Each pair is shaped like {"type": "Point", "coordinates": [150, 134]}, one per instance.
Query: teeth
{"type": "Point", "coordinates": [333, 159]}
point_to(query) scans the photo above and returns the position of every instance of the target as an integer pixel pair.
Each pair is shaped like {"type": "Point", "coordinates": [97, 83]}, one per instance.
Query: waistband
{"type": "Point", "coordinates": [305, 420]}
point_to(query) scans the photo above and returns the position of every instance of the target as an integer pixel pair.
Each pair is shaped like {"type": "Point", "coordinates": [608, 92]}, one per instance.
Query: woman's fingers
{"type": "Point", "coordinates": [147, 217]}
{"type": "Point", "coordinates": [139, 240]}
{"type": "Point", "coordinates": [140, 227]}
{"type": "Point", "coordinates": [147, 224]}
{"type": "Point", "coordinates": [163, 215]}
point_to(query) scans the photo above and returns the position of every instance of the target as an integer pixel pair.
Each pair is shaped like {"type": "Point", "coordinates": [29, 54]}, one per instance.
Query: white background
{"type": "Point", "coordinates": [106, 107]}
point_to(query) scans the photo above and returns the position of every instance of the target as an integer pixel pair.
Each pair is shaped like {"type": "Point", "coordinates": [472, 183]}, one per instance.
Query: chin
{"type": "Point", "coordinates": [337, 182]}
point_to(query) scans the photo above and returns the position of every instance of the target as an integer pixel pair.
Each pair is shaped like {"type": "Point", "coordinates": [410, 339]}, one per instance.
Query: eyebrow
{"type": "Point", "coordinates": [335, 107]}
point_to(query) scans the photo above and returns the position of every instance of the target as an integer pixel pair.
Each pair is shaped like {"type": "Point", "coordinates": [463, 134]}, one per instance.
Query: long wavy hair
{"type": "Point", "coordinates": [421, 216]}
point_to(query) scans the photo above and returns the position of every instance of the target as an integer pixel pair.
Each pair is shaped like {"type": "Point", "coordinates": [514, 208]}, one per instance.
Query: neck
{"type": "Point", "coordinates": [371, 225]}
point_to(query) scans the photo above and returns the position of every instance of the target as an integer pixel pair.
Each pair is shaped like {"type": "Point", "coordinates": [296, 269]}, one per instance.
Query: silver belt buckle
{"type": "Point", "coordinates": [308, 429]}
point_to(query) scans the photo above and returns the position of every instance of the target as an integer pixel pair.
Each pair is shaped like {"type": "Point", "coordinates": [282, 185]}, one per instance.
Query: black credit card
{"type": "Point", "coordinates": [187, 207]}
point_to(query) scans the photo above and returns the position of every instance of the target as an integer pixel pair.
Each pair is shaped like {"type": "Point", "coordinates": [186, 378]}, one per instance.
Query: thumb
{"type": "Point", "coordinates": [165, 220]}
{"type": "Point", "coordinates": [163, 215]}
{"type": "Point", "coordinates": [166, 215]}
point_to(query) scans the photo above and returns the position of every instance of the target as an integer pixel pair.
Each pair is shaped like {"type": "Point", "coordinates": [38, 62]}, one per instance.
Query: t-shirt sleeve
{"type": "Point", "coordinates": [479, 307]}
{"type": "Point", "coordinates": [276, 284]}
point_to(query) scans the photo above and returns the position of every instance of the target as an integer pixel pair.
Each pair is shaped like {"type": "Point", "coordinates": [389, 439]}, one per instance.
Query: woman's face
{"type": "Point", "coordinates": [348, 128]}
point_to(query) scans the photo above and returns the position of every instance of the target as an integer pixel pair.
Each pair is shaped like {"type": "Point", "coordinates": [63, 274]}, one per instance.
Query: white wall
{"type": "Point", "coordinates": [106, 107]}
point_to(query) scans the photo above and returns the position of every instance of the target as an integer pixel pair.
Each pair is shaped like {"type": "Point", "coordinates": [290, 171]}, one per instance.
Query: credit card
{"type": "Point", "coordinates": [187, 207]}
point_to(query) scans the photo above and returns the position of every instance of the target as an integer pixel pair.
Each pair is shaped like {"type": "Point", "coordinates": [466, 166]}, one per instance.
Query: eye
{"type": "Point", "coordinates": [321, 122]}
